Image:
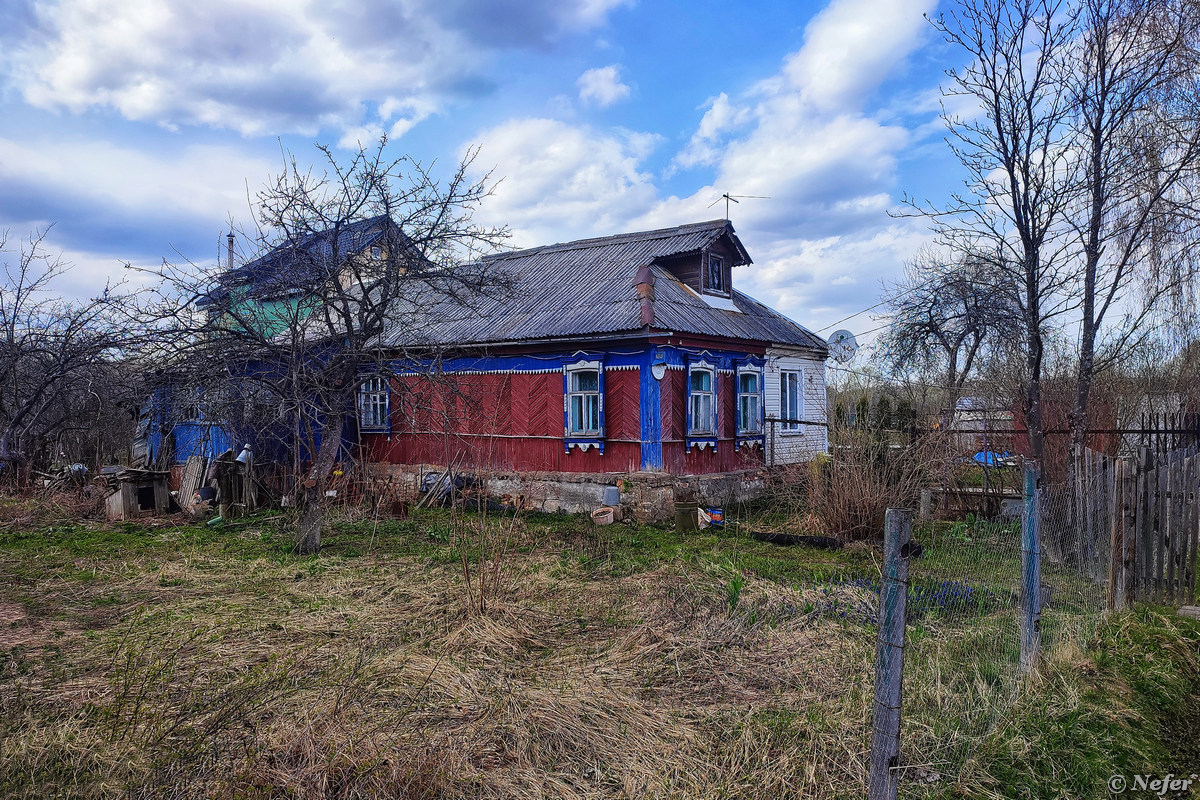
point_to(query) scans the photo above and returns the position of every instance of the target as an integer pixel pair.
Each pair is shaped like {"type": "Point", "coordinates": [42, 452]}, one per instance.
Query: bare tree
{"type": "Point", "coordinates": [59, 372]}
{"type": "Point", "coordinates": [1137, 132]}
{"type": "Point", "coordinates": [297, 331]}
{"type": "Point", "coordinates": [945, 319]}
{"type": "Point", "coordinates": [1013, 141]}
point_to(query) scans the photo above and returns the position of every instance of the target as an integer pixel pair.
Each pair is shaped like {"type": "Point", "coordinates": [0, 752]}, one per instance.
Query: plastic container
{"type": "Point", "coordinates": [612, 496]}
{"type": "Point", "coordinates": [716, 517]}
{"type": "Point", "coordinates": [602, 516]}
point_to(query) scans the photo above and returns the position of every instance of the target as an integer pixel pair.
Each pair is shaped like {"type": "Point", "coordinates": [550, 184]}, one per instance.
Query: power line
{"type": "Point", "coordinates": [885, 301]}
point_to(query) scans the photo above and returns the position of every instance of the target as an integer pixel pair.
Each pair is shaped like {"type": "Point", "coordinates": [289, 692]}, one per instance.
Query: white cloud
{"type": "Point", "coordinates": [113, 204]}
{"type": "Point", "coordinates": [806, 138]}
{"type": "Point", "coordinates": [563, 181]}
{"type": "Point", "coordinates": [602, 86]}
{"type": "Point", "coordinates": [720, 118]}
{"type": "Point", "coordinates": [851, 46]}
{"type": "Point", "coordinates": [276, 66]}
{"type": "Point", "coordinates": [201, 180]}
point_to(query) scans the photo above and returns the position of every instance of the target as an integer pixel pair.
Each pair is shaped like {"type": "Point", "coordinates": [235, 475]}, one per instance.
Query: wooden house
{"type": "Point", "coordinates": [629, 358]}
{"type": "Point", "coordinates": [622, 355]}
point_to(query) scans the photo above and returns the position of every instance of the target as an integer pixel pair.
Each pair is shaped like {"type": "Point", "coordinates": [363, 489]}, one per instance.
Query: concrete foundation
{"type": "Point", "coordinates": [645, 496]}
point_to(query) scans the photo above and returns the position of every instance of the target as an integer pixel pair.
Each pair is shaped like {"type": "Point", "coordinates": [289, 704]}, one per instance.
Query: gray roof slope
{"type": "Point", "coordinates": [582, 288]}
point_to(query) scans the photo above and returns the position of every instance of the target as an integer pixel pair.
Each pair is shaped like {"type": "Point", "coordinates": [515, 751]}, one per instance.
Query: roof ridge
{"type": "Point", "coordinates": [617, 238]}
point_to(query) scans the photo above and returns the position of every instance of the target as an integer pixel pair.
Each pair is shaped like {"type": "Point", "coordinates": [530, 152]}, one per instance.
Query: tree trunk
{"type": "Point", "coordinates": [1033, 356]}
{"type": "Point", "coordinates": [312, 497]}
{"type": "Point", "coordinates": [1089, 323]}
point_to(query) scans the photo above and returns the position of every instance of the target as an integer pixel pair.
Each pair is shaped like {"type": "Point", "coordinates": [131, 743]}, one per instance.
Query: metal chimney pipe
{"type": "Point", "coordinates": [229, 242]}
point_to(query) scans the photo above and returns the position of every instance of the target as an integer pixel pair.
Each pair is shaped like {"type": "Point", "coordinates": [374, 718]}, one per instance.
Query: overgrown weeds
{"type": "Point", "coordinates": [846, 493]}
{"type": "Point", "coordinates": [606, 662]}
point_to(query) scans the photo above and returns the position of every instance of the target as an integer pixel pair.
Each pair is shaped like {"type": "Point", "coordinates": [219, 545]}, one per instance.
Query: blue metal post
{"type": "Point", "coordinates": [1031, 567]}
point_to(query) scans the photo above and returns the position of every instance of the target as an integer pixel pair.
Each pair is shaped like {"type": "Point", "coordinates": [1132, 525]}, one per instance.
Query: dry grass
{"type": "Point", "coordinates": [174, 661]}
{"type": "Point", "coordinates": [187, 672]}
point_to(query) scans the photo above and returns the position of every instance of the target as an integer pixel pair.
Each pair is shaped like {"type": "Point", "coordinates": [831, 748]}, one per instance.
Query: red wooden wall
{"type": "Point", "coordinates": [677, 457]}
{"type": "Point", "coordinates": [505, 421]}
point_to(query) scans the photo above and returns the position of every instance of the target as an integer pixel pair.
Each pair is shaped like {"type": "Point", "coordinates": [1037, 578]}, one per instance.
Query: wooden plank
{"type": "Point", "coordinates": [1189, 530]}
{"type": "Point", "coordinates": [1191, 612]}
{"type": "Point", "coordinates": [1095, 502]}
{"type": "Point", "coordinates": [193, 475]}
{"type": "Point", "coordinates": [1160, 533]}
{"type": "Point", "coordinates": [1112, 518]}
{"type": "Point", "coordinates": [1185, 527]}
{"type": "Point", "coordinates": [1182, 534]}
{"type": "Point", "coordinates": [1087, 502]}
{"type": "Point", "coordinates": [1145, 527]}
{"type": "Point", "coordinates": [1173, 525]}
{"type": "Point", "coordinates": [1116, 547]}
{"type": "Point", "coordinates": [1128, 528]}
{"type": "Point", "coordinates": [1079, 486]}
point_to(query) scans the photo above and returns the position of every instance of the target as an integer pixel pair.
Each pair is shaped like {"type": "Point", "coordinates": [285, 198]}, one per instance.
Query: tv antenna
{"type": "Point", "coordinates": [734, 198]}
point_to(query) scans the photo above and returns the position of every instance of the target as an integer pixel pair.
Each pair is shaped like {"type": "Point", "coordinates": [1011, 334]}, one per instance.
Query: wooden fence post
{"type": "Point", "coordinates": [1031, 568]}
{"type": "Point", "coordinates": [1144, 516]}
{"type": "Point", "coordinates": [884, 777]}
{"type": "Point", "coordinates": [1129, 532]}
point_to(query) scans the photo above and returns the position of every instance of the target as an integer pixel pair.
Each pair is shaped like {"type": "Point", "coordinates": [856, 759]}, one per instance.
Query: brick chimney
{"type": "Point", "coordinates": [644, 284]}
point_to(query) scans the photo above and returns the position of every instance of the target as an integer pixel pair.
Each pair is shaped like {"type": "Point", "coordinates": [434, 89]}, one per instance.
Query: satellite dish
{"type": "Point", "coordinates": [842, 346]}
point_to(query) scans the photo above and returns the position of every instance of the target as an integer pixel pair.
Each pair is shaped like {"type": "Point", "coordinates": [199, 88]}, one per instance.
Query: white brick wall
{"type": "Point", "coordinates": [788, 447]}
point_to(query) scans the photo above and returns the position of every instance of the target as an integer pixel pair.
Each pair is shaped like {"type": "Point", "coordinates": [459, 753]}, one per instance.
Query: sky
{"type": "Point", "coordinates": [138, 128]}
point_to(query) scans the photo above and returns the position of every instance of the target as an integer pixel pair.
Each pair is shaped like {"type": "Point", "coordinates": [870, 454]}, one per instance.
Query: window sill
{"type": "Point", "coordinates": [793, 431]}
{"type": "Point", "coordinates": [702, 442]}
{"type": "Point", "coordinates": [583, 444]}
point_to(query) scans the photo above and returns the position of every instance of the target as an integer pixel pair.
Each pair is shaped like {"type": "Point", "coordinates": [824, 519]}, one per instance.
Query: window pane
{"type": "Point", "coordinates": [585, 381]}
{"type": "Point", "coordinates": [701, 381]}
{"type": "Point", "coordinates": [576, 413]}
{"type": "Point", "coordinates": [748, 412]}
{"type": "Point", "coordinates": [748, 383]}
{"type": "Point", "coordinates": [593, 411]}
{"type": "Point", "coordinates": [715, 275]}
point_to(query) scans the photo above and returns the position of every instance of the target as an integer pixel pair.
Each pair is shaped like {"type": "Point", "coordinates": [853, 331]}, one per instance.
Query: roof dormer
{"type": "Point", "coordinates": [708, 269]}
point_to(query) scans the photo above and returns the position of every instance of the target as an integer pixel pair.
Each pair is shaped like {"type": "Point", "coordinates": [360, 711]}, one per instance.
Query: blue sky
{"type": "Point", "coordinates": [136, 127]}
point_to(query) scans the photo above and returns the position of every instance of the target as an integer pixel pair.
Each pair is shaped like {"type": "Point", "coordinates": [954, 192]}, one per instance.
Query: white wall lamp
{"type": "Point", "coordinates": [658, 366]}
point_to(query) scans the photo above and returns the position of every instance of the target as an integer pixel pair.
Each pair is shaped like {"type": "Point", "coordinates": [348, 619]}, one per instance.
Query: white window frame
{"type": "Point", "coordinates": [784, 399]}
{"type": "Point", "coordinates": [571, 393]}
{"type": "Point", "coordinates": [374, 405]}
{"type": "Point", "coordinates": [710, 431]}
{"type": "Point", "coordinates": [758, 398]}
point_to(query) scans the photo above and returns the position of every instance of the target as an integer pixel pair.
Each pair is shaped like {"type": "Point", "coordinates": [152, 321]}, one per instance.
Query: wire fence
{"type": "Point", "coordinates": [988, 596]}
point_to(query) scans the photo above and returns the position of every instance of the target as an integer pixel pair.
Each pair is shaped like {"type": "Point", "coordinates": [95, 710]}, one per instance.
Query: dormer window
{"type": "Point", "coordinates": [716, 274]}
{"type": "Point", "coordinates": [377, 252]}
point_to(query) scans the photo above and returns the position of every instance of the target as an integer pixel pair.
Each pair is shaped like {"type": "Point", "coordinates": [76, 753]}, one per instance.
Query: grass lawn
{"type": "Point", "coordinates": [172, 660]}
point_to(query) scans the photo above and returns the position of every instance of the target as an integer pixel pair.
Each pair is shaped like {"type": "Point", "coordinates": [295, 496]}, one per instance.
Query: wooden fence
{"type": "Point", "coordinates": [1137, 520]}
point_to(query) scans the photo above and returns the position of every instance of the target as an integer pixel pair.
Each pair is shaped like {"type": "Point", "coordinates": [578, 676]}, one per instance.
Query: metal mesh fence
{"type": "Point", "coordinates": [963, 669]}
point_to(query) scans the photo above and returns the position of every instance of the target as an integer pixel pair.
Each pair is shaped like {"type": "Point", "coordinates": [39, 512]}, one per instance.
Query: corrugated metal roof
{"type": "Point", "coordinates": [576, 289]}
{"type": "Point", "coordinates": [311, 255]}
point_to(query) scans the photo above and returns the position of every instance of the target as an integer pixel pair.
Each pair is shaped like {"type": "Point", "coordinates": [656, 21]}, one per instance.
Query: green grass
{"type": "Point", "coordinates": [157, 656]}
{"type": "Point", "coordinates": [1128, 703]}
